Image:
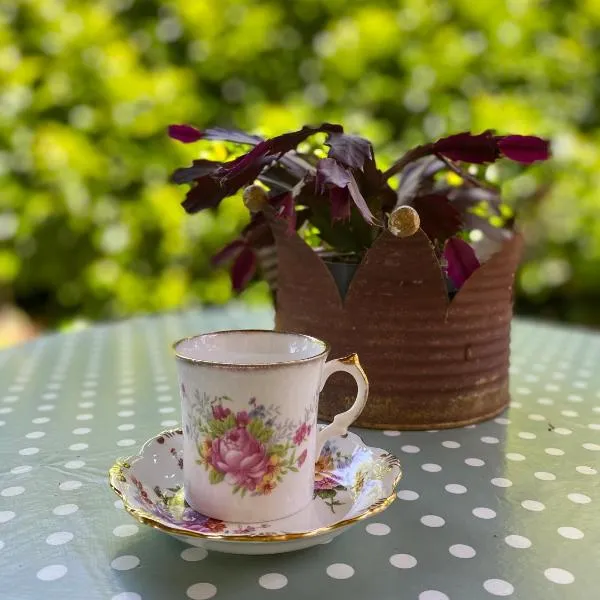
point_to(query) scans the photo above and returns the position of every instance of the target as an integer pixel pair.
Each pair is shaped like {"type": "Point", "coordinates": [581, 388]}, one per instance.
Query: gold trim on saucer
{"type": "Point", "coordinates": [116, 476]}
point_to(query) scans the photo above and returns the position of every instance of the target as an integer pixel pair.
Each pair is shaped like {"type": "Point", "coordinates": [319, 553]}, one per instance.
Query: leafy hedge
{"type": "Point", "coordinates": [90, 225]}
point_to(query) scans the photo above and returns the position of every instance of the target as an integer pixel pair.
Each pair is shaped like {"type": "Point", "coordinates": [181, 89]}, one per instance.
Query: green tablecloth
{"type": "Point", "coordinates": [505, 508]}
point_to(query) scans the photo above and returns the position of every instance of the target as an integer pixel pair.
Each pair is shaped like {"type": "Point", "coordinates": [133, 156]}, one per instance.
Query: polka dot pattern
{"type": "Point", "coordinates": [526, 478]}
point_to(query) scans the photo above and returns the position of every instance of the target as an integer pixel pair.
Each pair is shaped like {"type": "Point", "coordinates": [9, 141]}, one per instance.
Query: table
{"type": "Point", "coordinates": [510, 507]}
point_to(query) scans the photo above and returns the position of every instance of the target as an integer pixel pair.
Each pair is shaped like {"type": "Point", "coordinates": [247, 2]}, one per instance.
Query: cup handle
{"type": "Point", "coordinates": [341, 421]}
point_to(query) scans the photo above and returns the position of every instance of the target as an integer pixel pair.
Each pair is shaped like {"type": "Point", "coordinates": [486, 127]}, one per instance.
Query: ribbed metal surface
{"type": "Point", "coordinates": [431, 363]}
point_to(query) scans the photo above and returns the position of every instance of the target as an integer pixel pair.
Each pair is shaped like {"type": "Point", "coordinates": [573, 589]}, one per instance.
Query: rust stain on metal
{"type": "Point", "coordinates": [431, 363]}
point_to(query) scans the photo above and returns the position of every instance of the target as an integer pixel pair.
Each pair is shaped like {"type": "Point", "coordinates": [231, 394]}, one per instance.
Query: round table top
{"type": "Point", "coordinates": [507, 508]}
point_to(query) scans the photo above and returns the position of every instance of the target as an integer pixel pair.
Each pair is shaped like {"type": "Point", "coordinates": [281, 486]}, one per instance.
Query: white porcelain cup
{"type": "Point", "coordinates": [249, 410]}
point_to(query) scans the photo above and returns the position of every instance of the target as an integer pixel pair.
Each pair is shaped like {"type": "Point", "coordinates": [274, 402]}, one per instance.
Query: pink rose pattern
{"type": "Point", "coordinates": [244, 449]}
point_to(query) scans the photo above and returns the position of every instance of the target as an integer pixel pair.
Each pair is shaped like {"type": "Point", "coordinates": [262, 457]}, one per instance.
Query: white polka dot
{"type": "Point", "coordinates": [1, 544]}
{"type": "Point", "coordinates": [515, 456]}
{"type": "Point", "coordinates": [84, 417]}
{"type": "Point", "coordinates": [562, 431]}
{"type": "Point", "coordinates": [34, 435]}
{"type": "Point", "coordinates": [596, 409]}
{"type": "Point", "coordinates": [125, 530]}
{"type": "Point", "coordinates": [59, 538]}
{"type": "Point", "coordinates": [554, 451]}
{"type": "Point", "coordinates": [502, 421]}
{"type": "Point", "coordinates": [536, 417]}
{"type": "Point", "coordinates": [450, 444]}
{"type": "Point", "coordinates": [77, 447]}
{"type": "Point", "coordinates": [88, 393]}
{"type": "Point", "coordinates": [433, 595]}
{"type": "Point", "coordinates": [517, 541]}
{"type": "Point", "coordinates": [527, 435]}
{"type": "Point", "coordinates": [126, 427]}
{"type": "Point", "coordinates": [68, 486]}
{"type": "Point", "coordinates": [498, 587]}
{"type": "Point", "coordinates": [5, 410]}
{"type": "Point", "coordinates": [561, 576]}
{"type": "Point", "coordinates": [455, 488]}
{"type": "Point", "coordinates": [585, 470]}
{"type": "Point", "coordinates": [432, 521]}
{"type": "Point", "coordinates": [126, 442]}
{"type": "Point", "coordinates": [125, 562]}
{"type": "Point", "coordinates": [40, 420]}
{"type": "Point", "coordinates": [273, 581]}
{"type": "Point", "coordinates": [90, 384]}
{"type": "Point", "coordinates": [462, 551]}
{"type": "Point", "coordinates": [49, 396]}
{"type": "Point", "coordinates": [127, 596]}
{"type": "Point", "coordinates": [194, 554]}
{"type": "Point", "coordinates": [169, 423]}
{"type": "Point", "coordinates": [16, 490]}
{"type": "Point", "coordinates": [569, 413]}
{"type": "Point", "coordinates": [551, 387]}
{"type": "Point", "coordinates": [162, 388]}
{"type": "Point", "coordinates": [51, 572]}
{"type": "Point", "coordinates": [545, 401]}
{"type": "Point", "coordinates": [488, 439]}
{"type": "Point", "coordinates": [431, 467]}
{"type": "Point", "coordinates": [81, 430]}
{"type": "Point", "coordinates": [74, 464]}
{"type": "Point", "coordinates": [6, 515]}
{"type": "Point", "coordinates": [46, 407]}
{"type": "Point", "coordinates": [168, 399]}
{"type": "Point", "coordinates": [410, 449]}
{"type": "Point", "coordinates": [65, 509]}
{"type": "Point", "coordinates": [378, 529]}
{"type": "Point", "coordinates": [9, 399]}
{"type": "Point", "coordinates": [501, 482]}
{"type": "Point", "coordinates": [403, 561]}
{"type": "Point", "coordinates": [591, 447]}
{"type": "Point", "coordinates": [523, 391]}
{"type": "Point", "coordinates": [484, 513]}
{"type": "Point", "coordinates": [407, 495]}
{"type": "Point", "coordinates": [474, 462]}
{"type": "Point", "coordinates": [20, 470]}
{"type": "Point", "coordinates": [126, 401]}
{"type": "Point", "coordinates": [340, 571]}
{"type": "Point", "coordinates": [126, 413]}
{"type": "Point", "coordinates": [16, 388]}
{"type": "Point", "coordinates": [571, 533]}
{"type": "Point", "coordinates": [544, 476]}
{"type": "Point", "coordinates": [201, 591]}
{"type": "Point", "coordinates": [28, 451]}
{"type": "Point", "coordinates": [579, 498]}
{"type": "Point", "coordinates": [2, 423]}
{"type": "Point", "coordinates": [86, 404]}
{"type": "Point", "coordinates": [166, 409]}
{"type": "Point", "coordinates": [533, 505]}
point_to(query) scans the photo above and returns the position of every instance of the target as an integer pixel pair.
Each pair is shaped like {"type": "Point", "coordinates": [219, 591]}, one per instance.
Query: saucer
{"type": "Point", "coordinates": [353, 482]}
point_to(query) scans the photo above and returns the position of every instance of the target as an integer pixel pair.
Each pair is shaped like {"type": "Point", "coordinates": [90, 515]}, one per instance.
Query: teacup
{"type": "Point", "coordinates": [249, 410]}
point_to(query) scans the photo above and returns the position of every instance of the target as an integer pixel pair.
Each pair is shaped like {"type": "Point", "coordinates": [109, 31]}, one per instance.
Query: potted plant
{"type": "Point", "coordinates": [416, 276]}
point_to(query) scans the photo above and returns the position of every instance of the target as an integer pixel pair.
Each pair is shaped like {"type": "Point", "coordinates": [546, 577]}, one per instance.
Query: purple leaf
{"type": "Point", "coordinates": [243, 269]}
{"type": "Point", "coordinates": [340, 203]}
{"type": "Point", "coordinates": [361, 203]}
{"type": "Point", "coordinates": [470, 148]}
{"type": "Point", "coordinates": [228, 252]}
{"type": "Point", "coordinates": [198, 169]}
{"type": "Point", "coordinates": [331, 173]}
{"type": "Point", "coordinates": [524, 148]}
{"type": "Point", "coordinates": [231, 135]}
{"type": "Point", "coordinates": [185, 133]}
{"type": "Point", "coordinates": [350, 150]}
{"type": "Point", "coordinates": [204, 193]}
{"type": "Point", "coordinates": [439, 219]}
{"type": "Point", "coordinates": [285, 209]}
{"type": "Point", "coordinates": [461, 261]}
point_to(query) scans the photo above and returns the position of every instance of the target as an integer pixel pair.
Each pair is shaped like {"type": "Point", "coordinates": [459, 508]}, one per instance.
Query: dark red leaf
{"type": "Point", "coordinates": [231, 135]}
{"type": "Point", "coordinates": [350, 150]}
{"type": "Point", "coordinates": [205, 193]}
{"type": "Point", "coordinates": [285, 209]}
{"type": "Point", "coordinates": [361, 203]}
{"type": "Point", "coordinates": [185, 133]}
{"type": "Point", "coordinates": [228, 253]}
{"type": "Point", "coordinates": [524, 148]}
{"type": "Point", "coordinates": [198, 169]}
{"type": "Point", "coordinates": [331, 174]}
{"type": "Point", "coordinates": [340, 204]}
{"type": "Point", "coordinates": [461, 260]}
{"type": "Point", "coordinates": [439, 219]}
{"type": "Point", "coordinates": [243, 269]}
{"type": "Point", "coordinates": [466, 147]}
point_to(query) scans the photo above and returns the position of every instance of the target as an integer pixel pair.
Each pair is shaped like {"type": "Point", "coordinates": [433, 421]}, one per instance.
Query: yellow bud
{"type": "Point", "coordinates": [255, 198]}
{"type": "Point", "coordinates": [404, 221]}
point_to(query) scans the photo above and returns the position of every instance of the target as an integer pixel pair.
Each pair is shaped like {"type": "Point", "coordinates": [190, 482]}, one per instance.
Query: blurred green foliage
{"type": "Point", "coordinates": [91, 227]}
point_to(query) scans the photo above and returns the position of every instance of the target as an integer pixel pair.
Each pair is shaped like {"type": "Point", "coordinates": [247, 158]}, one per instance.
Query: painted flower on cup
{"type": "Point", "coordinates": [245, 450]}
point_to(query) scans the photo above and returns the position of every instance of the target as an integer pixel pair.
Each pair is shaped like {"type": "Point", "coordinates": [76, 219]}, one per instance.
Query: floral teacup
{"type": "Point", "coordinates": [249, 409]}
